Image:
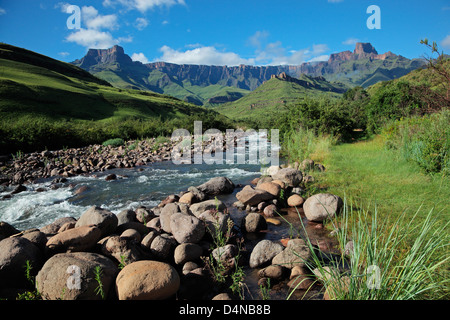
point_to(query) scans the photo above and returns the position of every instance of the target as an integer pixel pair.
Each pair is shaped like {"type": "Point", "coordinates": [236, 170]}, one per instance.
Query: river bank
{"type": "Point", "coordinates": [181, 222]}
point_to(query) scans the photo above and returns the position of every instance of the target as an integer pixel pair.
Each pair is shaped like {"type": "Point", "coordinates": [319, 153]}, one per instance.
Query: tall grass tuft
{"type": "Point", "coordinates": [301, 144]}
{"type": "Point", "coordinates": [382, 263]}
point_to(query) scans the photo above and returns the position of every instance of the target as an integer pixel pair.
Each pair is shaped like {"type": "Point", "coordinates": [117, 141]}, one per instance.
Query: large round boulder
{"type": "Point", "coordinates": [186, 228]}
{"type": "Point", "coordinates": [73, 240]}
{"type": "Point", "coordinates": [291, 177]}
{"type": "Point", "coordinates": [250, 196]}
{"type": "Point", "coordinates": [296, 253]}
{"type": "Point", "coordinates": [105, 220]}
{"type": "Point", "coordinates": [76, 276]}
{"type": "Point", "coordinates": [14, 254]}
{"type": "Point", "coordinates": [263, 253]}
{"type": "Point", "coordinates": [322, 206]}
{"type": "Point", "coordinates": [147, 280]}
{"type": "Point", "coordinates": [217, 185]}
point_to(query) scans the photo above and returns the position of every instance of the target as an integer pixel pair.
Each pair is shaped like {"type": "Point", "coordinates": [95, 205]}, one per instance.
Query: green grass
{"type": "Point", "coordinates": [270, 99]}
{"type": "Point", "coordinates": [379, 266]}
{"type": "Point", "coordinates": [46, 103]}
{"type": "Point", "coordinates": [301, 144]}
{"type": "Point", "coordinates": [366, 172]}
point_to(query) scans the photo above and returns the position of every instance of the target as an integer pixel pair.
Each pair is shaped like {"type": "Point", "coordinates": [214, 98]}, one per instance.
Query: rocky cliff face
{"type": "Point", "coordinates": [94, 57]}
{"type": "Point", "coordinates": [339, 67]}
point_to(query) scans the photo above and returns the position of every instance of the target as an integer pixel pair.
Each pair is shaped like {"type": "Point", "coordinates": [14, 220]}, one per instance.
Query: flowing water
{"type": "Point", "coordinates": [141, 186]}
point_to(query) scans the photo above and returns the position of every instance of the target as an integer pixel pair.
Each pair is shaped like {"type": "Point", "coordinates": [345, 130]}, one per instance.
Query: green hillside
{"type": "Point", "coordinates": [48, 103]}
{"type": "Point", "coordinates": [366, 72]}
{"type": "Point", "coordinates": [274, 95]}
{"type": "Point", "coordinates": [126, 75]}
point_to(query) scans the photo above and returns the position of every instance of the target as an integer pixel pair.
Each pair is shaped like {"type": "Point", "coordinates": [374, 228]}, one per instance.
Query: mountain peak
{"type": "Point", "coordinates": [115, 54]}
{"type": "Point", "coordinates": [364, 48]}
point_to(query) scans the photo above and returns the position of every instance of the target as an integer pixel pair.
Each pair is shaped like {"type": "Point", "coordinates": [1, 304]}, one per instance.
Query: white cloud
{"type": "Point", "coordinates": [335, 1]}
{"type": "Point", "coordinates": [258, 38]}
{"type": "Point", "coordinates": [351, 41]}
{"type": "Point", "coordinates": [2, 11]}
{"type": "Point", "coordinates": [91, 38]}
{"type": "Point", "coordinates": [93, 20]}
{"type": "Point", "coordinates": [274, 53]}
{"type": "Point", "coordinates": [141, 23]}
{"type": "Point", "coordinates": [64, 54]}
{"type": "Point", "coordinates": [139, 57]}
{"type": "Point", "coordinates": [324, 57]}
{"type": "Point", "coordinates": [95, 31]}
{"type": "Point", "coordinates": [202, 55]}
{"type": "Point", "coordinates": [142, 5]}
{"type": "Point", "coordinates": [446, 42]}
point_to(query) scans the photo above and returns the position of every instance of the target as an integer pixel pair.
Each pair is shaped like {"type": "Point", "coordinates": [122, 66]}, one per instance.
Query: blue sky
{"type": "Point", "coordinates": [225, 32]}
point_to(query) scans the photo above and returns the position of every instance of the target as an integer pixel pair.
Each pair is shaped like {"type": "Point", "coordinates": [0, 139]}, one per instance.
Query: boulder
{"type": "Point", "coordinates": [187, 198]}
{"type": "Point", "coordinates": [252, 197]}
{"type": "Point", "coordinates": [105, 220]}
{"type": "Point", "coordinates": [147, 240]}
{"type": "Point", "coordinates": [54, 227]}
{"type": "Point", "coordinates": [291, 177]}
{"type": "Point", "coordinates": [254, 222]}
{"type": "Point", "coordinates": [296, 253]}
{"type": "Point", "coordinates": [147, 280]}
{"type": "Point", "coordinates": [14, 254]}
{"type": "Point", "coordinates": [7, 230]}
{"type": "Point", "coordinates": [131, 234]}
{"type": "Point", "coordinates": [126, 216]}
{"type": "Point", "coordinates": [322, 206]}
{"type": "Point", "coordinates": [273, 272]}
{"type": "Point", "coordinates": [215, 222]}
{"type": "Point", "coordinates": [74, 240]}
{"type": "Point", "coordinates": [198, 195]}
{"type": "Point", "coordinates": [72, 276]}
{"type": "Point", "coordinates": [164, 218]}
{"type": "Point", "coordinates": [143, 215]}
{"type": "Point", "coordinates": [225, 253]}
{"type": "Point", "coordinates": [162, 247]}
{"type": "Point", "coordinates": [123, 250]}
{"type": "Point", "coordinates": [187, 252]}
{"type": "Point", "coordinates": [186, 228]}
{"type": "Point", "coordinates": [272, 188]}
{"type": "Point", "coordinates": [38, 238]}
{"type": "Point", "coordinates": [307, 165]}
{"type": "Point", "coordinates": [272, 170]}
{"type": "Point", "coordinates": [295, 200]}
{"type": "Point", "coordinates": [300, 282]}
{"type": "Point", "coordinates": [213, 204]}
{"type": "Point", "coordinates": [270, 211]}
{"type": "Point", "coordinates": [264, 252]}
{"type": "Point", "coordinates": [217, 185]}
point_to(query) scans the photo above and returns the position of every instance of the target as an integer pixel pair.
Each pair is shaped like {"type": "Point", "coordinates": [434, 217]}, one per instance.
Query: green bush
{"type": "Point", "coordinates": [117, 142]}
{"type": "Point", "coordinates": [423, 140]}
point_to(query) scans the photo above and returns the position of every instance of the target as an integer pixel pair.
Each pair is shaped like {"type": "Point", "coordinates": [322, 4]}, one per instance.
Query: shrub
{"type": "Point", "coordinates": [117, 142]}
{"type": "Point", "coordinates": [423, 140]}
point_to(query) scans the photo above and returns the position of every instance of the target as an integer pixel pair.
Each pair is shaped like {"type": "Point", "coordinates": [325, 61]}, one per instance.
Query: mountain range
{"type": "Point", "coordinates": [206, 85]}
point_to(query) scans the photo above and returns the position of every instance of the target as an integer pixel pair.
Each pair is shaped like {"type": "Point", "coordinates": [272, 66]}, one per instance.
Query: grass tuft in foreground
{"type": "Point", "coordinates": [379, 263]}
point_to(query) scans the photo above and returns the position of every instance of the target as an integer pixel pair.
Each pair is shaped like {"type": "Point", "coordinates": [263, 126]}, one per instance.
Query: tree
{"type": "Point", "coordinates": [440, 65]}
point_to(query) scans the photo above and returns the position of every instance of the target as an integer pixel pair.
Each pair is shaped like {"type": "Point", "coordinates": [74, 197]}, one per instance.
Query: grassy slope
{"type": "Point", "coordinates": [367, 173]}
{"type": "Point", "coordinates": [270, 99]}
{"type": "Point", "coordinates": [139, 78]}
{"type": "Point", "coordinates": [27, 88]}
{"type": "Point", "coordinates": [367, 72]}
{"type": "Point", "coordinates": [39, 95]}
